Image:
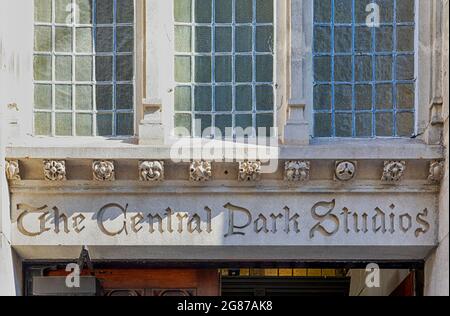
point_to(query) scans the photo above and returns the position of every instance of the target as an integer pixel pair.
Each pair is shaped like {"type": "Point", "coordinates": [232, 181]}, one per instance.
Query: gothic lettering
{"type": "Point", "coordinates": [327, 217]}
{"type": "Point", "coordinates": [425, 226]}
{"type": "Point", "coordinates": [232, 227]}
{"type": "Point", "coordinates": [101, 221]}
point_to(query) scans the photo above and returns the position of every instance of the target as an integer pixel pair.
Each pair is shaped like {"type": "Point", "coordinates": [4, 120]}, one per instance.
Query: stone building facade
{"type": "Point", "coordinates": [102, 105]}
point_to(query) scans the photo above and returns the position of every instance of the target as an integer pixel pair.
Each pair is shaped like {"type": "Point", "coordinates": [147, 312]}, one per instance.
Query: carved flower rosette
{"type": "Point", "coordinates": [103, 170]}
{"type": "Point", "coordinates": [297, 171]}
{"type": "Point", "coordinates": [151, 171]}
{"type": "Point", "coordinates": [200, 171]}
{"type": "Point", "coordinates": [12, 170]}
{"type": "Point", "coordinates": [393, 171]}
{"type": "Point", "coordinates": [55, 170]}
{"type": "Point", "coordinates": [250, 171]}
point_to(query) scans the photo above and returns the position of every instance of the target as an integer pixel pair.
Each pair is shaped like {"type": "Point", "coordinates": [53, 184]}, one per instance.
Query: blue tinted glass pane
{"type": "Point", "coordinates": [364, 77]}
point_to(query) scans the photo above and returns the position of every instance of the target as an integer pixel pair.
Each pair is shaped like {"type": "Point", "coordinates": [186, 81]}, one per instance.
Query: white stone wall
{"type": "Point", "coordinates": [437, 266]}
{"type": "Point", "coordinates": [15, 68]}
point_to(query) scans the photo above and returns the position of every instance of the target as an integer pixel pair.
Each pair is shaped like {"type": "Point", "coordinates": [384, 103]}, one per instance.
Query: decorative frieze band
{"type": "Point", "coordinates": [295, 171]}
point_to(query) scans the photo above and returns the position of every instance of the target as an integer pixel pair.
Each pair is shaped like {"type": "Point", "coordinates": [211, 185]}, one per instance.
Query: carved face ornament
{"type": "Point", "coordinates": [151, 171]}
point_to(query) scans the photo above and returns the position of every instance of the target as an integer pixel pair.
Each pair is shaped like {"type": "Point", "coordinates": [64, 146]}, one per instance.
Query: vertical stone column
{"type": "Point", "coordinates": [433, 133]}
{"type": "Point", "coordinates": [296, 131]}
{"type": "Point", "coordinates": [158, 84]}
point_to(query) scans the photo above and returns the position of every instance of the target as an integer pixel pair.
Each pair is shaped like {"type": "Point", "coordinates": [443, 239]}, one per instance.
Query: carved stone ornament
{"type": "Point", "coordinates": [393, 171]}
{"type": "Point", "coordinates": [297, 171]}
{"type": "Point", "coordinates": [345, 170]}
{"type": "Point", "coordinates": [103, 170]}
{"type": "Point", "coordinates": [151, 171]}
{"type": "Point", "coordinates": [436, 172]}
{"type": "Point", "coordinates": [12, 170]}
{"type": "Point", "coordinates": [200, 171]}
{"type": "Point", "coordinates": [55, 170]}
{"type": "Point", "coordinates": [250, 171]}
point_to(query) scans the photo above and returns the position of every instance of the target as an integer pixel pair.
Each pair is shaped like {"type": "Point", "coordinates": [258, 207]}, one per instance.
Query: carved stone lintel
{"type": "Point", "coordinates": [200, 171]}
{"type": "Point", "coordinates": [151, 171]}
{"type": "Point", "coordinates": [250, 171]}
{"type": "Point", "coordinates": [345, 170]}
{"type": "Point", "coordinates": [393, 171]}
{"type": "Point", "coordinates": [12, 170]}
{"type": "Point", "coordinates": [297, 171]}
{"type": "Point", "coordinates": [436, 172]}
{"type": "Point", "coordinates": [103, 170]}
{"type": "Point", "coordinates": [55, 170]}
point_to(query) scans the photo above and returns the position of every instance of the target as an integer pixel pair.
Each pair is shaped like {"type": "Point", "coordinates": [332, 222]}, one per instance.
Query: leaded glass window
{"type": "Point", "coordinates": [224, 65]}
{"type": "Point", "coordinates": [83, 67]}
{"type": "Point", "coordinates": [364, 80]}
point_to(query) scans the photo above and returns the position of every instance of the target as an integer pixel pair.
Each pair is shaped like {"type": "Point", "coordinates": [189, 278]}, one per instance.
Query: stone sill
{"type": "Point", "coordinates": [101, 148]}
